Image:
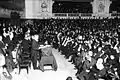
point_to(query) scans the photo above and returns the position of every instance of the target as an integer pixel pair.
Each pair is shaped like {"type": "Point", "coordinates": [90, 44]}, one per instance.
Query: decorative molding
{"type": "Point", "coordinates": [101, 8]}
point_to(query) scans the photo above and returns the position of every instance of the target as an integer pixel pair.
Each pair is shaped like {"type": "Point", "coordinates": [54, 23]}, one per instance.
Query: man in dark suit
{"type": "Point", "coordinates": [26, 44]}
{"type": "Point", "coordinates": [35, 50]}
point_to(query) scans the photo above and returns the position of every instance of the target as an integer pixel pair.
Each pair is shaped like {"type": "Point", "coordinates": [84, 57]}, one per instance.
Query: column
{"type": "Point", "coordinates": [29, 8]}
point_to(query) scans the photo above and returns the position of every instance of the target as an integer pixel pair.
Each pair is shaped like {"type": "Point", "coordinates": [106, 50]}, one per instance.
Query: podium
{"type": "Point", "coordinates": [47, 59]}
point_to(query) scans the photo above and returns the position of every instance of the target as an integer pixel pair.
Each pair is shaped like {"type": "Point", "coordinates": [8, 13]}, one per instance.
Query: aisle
{"type": "Point", "coordinates": [64, 70]}
{"type": "Point", "coordinates": [63, 64]}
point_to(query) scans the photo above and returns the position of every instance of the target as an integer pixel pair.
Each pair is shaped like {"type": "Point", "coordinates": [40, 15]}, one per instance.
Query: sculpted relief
{"type": "Point", "coordinates": [44, 7]}
{"type": "Point", "coordinates": [101, 7]}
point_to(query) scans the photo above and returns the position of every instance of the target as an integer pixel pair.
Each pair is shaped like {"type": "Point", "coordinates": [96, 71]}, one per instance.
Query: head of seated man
{"type": "Point", "coordinates": [27, 36]}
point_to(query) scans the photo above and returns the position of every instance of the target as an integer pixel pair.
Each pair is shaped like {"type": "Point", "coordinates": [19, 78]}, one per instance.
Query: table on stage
{"type": "Point", "coordinates": [47, 57]}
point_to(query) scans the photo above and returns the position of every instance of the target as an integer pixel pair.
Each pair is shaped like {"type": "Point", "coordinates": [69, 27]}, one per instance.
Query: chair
{"type": "Point", "coordinates": [25, 61]}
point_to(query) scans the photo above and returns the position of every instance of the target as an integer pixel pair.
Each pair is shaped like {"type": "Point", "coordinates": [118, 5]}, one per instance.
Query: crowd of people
{"type": "Point", "coordinates": [115, 6]}
{"type": "Point", "coordinates": [92, 45]}
{"type": "Point", "coordinates": [80, 7]}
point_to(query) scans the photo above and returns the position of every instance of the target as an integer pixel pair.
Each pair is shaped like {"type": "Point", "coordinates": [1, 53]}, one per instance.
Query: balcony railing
{"type": "Point", "coordinates": [71, 15]}
{"type": "Point", "coordinates": [6, 13]}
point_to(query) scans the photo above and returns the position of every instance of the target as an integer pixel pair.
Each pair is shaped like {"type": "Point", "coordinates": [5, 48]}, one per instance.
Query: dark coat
{"type": "Point", "coordinates": [35, 48]}
{"type": "Point", "coordinates": [26, 44]}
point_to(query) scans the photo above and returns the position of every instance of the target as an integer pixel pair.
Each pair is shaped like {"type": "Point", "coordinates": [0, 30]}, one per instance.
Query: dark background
{"type": "Point", "coordinates": [20, 4]}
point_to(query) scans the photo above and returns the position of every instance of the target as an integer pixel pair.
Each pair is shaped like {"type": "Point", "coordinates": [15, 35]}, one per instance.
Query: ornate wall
{"type": "Point", "coordinates": [38, 8]}
{"type": "Point", "coordinates": [101, 8]}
